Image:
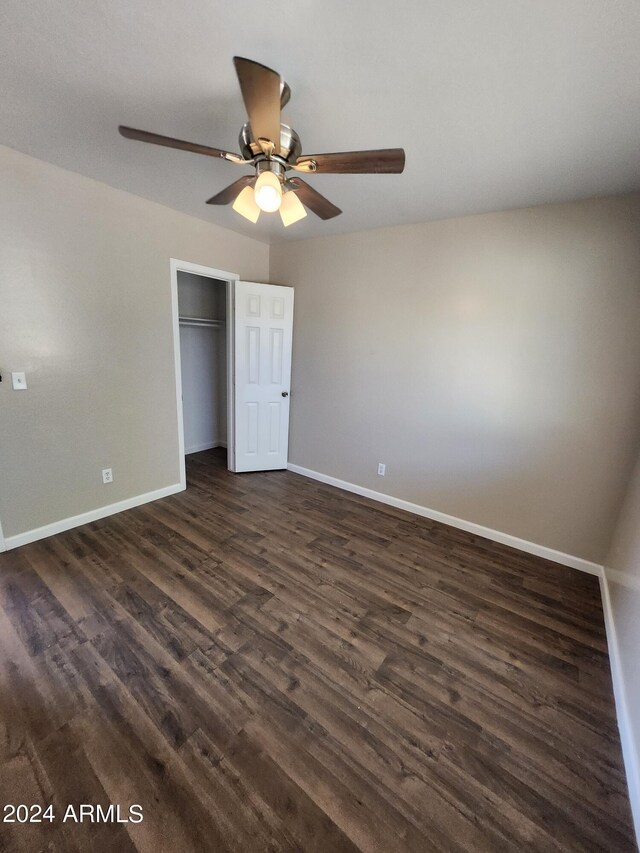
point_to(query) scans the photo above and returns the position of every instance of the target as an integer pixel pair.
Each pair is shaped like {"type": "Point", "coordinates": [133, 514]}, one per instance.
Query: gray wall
{"type": "Point", "coordinates": [622, 570]}
{"type": "Point", "coordinates": [85, 310]}
{"type": "Point", "coordinates": [491, 362]}
{"type": "Point", "coordinates": [200, 296]}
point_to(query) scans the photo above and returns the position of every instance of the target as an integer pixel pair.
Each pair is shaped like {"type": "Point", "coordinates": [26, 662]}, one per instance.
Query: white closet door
{"type": "Point", "coordinates": [262, 342]}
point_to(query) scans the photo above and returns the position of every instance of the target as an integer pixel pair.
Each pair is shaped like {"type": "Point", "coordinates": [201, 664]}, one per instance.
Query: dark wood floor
{"type": "Point", "coordinates": [267, 663]}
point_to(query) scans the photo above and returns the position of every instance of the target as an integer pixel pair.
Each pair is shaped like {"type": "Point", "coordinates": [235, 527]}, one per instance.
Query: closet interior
{"type": "Point", "coordinates": [202, 309]}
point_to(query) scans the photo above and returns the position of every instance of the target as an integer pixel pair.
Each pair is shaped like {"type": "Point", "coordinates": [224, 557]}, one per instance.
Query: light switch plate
{"type": "Point", "coordinates": [19, 381]}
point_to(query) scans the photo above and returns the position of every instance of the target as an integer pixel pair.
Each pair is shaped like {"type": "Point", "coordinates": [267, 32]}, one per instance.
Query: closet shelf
{"type": "Point", "coordinates": [201, 321]}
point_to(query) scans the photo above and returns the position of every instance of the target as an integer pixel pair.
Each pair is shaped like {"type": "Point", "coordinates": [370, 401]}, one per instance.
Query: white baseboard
{"type": "Point", "coordinates": [86, 517]}
{"type": "Point", "coordinates": [208, 445]}
{"type": "Point", "coordinates": [627, 738]}
{"type": "Point", "coordinates": [469, 526]}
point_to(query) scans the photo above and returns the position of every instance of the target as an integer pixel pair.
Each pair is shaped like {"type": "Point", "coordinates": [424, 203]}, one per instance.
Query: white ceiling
{"type": "Point", "coordinates": [498, 103]}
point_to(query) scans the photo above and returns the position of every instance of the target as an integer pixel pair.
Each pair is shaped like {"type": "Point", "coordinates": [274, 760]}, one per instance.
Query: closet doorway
{"type": "Point", "coordinates": [203, 334]}
{"type": "Point", "coordinates": [202, 317]}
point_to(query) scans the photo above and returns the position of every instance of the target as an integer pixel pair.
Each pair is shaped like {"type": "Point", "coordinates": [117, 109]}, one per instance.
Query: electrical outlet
{"type": "Point", "coordinates": [381, 468]}
{"type": "Point", "coordinates": [107, 475]}
{"type": "Point", "coordinates": [19, 381]}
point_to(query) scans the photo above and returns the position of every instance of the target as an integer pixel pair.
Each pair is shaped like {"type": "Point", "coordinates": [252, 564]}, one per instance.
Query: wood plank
{"type": "Point", "coordinates": [265, 662]}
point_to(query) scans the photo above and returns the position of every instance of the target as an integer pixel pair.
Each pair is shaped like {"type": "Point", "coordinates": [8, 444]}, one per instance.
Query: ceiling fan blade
{"type": "Point", "coordinates": [312, 199]}
{"type": "Point", "coordinates": [260, 88]}
{"type": "Point", "coordinates": [384, 160]}
{"type": "Point", "coordinates": [228, 194]}
{"type": "Point", "coordinates": [285, 94]}
{"type": "Point", "coordinates": [170, 142]}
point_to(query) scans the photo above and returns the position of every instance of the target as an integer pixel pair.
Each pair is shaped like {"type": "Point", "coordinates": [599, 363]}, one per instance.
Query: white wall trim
{"type": "Point", "coordinates": [208, 445]}
{"type": "Point", "coordinates": [231, 374]}
{"type": "Point", "coordinates": [627, 738]}
{"type": "Point", "coordinates": [453, 521]}
{"type": "Point", "coordinates": [230, 278]}
{"type": "Point", "coordinates": [3, 546]}
{"type": "Point", "coordinates": [87, 517]}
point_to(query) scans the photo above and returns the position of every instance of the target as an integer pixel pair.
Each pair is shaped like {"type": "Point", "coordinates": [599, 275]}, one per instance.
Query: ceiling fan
{"type": "Point", "coordinates": [273, 149]}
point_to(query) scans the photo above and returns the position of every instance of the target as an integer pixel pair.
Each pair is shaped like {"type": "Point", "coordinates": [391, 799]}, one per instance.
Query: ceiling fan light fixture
{"type": "Point", "coordinates": [291, 209]}
{"type": "Point", "coordinates": [268, 192]}
{"type": "Point", "coordinates": [273, 148]}
{"type": "Point", "coordinates": [246, 206]}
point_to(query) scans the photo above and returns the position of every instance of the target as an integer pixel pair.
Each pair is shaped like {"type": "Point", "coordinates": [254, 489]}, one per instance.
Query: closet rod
{"type": "Point", "coordinates": [200, 321]}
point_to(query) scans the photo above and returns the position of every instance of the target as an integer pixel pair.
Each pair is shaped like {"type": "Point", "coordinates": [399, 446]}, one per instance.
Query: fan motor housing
{"type": "Point", "coordinates": [290, 145]}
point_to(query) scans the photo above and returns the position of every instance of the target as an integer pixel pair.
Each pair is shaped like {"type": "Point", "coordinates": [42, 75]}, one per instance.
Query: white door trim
{"type": "Point", "coordinates": [230, 278]}
{"type": "Point", "coordinates": [3, 546]}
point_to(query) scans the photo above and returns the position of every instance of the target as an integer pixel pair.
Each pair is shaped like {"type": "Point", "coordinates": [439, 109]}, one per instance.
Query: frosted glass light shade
{"type": "Point", "coordinates": [291, 209]}
{"type": "Point", "coordinates": [246, 206]}
{"type": "Point", "coordinates": [268, 192]}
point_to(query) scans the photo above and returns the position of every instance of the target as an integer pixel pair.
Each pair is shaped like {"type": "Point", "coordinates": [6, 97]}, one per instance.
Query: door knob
{"type": "Point", "coordinates": [285, 393]}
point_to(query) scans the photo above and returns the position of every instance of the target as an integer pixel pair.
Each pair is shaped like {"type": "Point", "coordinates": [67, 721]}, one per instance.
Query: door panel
{"type": "Point", "coordinates": [263, 334]}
